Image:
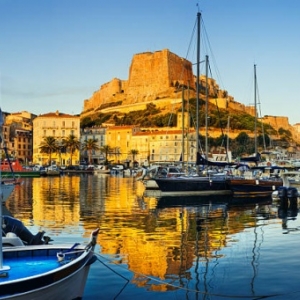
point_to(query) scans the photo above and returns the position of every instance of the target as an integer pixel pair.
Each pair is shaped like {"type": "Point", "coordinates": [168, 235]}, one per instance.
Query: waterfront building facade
{"type": "Point", "coordinates": [17, 136]}
{"type": "Point", "coordinates": [60, 126]}
{"type": "Point", "coordinates": [94, 133]}
{"type": "Point", "coordinates": [118, 138]}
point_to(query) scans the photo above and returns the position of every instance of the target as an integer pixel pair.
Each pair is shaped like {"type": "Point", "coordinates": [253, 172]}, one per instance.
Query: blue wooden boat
{"type": "Point", "coordinates": [45, 271]}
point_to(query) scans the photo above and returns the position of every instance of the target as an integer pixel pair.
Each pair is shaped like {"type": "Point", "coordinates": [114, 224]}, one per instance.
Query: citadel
{"type": "Point", "coordinates": [154, 77]}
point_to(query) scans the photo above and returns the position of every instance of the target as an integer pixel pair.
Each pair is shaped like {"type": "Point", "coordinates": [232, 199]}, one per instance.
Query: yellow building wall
{"type": "Point", "coordinates": [60, 126]}
{"type": "Point", "coordinates": [119, 139]}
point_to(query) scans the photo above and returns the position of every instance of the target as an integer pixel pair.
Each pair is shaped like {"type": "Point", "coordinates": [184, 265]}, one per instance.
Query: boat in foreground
{"type": "Point", "coordinates": [46, 271]}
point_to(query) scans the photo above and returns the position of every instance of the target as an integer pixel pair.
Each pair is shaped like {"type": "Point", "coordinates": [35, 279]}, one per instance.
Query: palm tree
{"type": "Point", "coordinates": [72, 144]}
{"type": "Point", "coordinates": [49, 145]}
{"type": "Point", "coordinates": [133, 152]}
{"type": "Point", "coordinates": [89, 146]}
{"type": "Point", "coordinates": [106, 149]}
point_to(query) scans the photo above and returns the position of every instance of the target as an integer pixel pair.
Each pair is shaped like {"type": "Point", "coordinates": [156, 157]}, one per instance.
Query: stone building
{"type": "Point", "coordinates": [60, 126]}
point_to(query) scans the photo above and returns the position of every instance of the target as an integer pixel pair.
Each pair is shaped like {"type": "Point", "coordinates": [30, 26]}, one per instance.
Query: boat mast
{"type": "Point", "coordinates": [182, 128]}
{"type": "Point", "coordinates": [2, 268]}
{"type": "Point", "coordinates": [197, 86]}
{"type": "Point", "coordinates": [227, 142]}
{"type": "Point", "coordinates": [206, 107]}
{"type": "Point", "coordinates": [255, 111]}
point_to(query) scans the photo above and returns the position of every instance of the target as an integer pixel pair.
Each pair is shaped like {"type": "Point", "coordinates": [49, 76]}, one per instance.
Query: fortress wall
{"type": "Point", "coordinates": [277, 122]}
{"type": "Point", "coordinates": [105, 93]}
{"type": "Point", "coordinates": [152, 74]}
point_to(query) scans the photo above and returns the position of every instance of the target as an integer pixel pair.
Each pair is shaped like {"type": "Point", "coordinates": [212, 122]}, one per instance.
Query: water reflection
{"type": "Point", "coordinates": [188, 246]}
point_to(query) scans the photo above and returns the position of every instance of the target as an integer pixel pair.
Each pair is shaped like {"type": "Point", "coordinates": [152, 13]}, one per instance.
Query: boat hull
{"type": "Point", "coordinates": [253, 187]}
{"type": "Point", "coordinates": [64, 282]}
{"type": "Point", "coordinates": [192, 185]}
{"type": "Point", "coordinates": [23, 174]}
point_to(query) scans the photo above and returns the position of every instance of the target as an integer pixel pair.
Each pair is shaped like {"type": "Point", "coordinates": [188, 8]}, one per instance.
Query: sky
{"type": "Point", "coordinates": [55, 54]}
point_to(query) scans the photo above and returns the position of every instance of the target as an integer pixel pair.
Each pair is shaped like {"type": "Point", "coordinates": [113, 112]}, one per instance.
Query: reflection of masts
{"type": "Point", "coordinates": [198, 229]}
{"type": "Point", "coordinates": [255, 258]}
{"type": "Point", "coordinates": [183, 256]}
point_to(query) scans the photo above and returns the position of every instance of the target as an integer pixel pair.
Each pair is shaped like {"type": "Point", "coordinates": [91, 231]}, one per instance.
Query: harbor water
{"type": "Point", "coordinates": [152, 248]}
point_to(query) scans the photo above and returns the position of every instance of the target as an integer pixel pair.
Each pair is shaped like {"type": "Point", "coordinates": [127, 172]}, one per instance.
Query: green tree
{"type": "Point", "coordinates": [90, 145]}
{"type": "Point", "coordinates": [49, 145]}
{"type": "Point", "coordinates": [133, 152]}
{"type": "Point", "coordinates": [72, 144]}
{"type": "Point", "coordinates": [106, 149]}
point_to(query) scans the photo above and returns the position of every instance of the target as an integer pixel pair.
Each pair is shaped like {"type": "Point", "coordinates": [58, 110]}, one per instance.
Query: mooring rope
{"type": "Point", "coordinates": [254, 297]}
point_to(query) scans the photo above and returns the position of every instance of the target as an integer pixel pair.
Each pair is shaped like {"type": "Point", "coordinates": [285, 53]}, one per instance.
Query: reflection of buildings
{"type": "Point", "coordinates": [20, 202]}
{"type": "Point", "coordinates": [162, 244]}
{"type": "Point", "coordinates": [56, 201]}
{"type": "Point", "coordinates": [171, 244]}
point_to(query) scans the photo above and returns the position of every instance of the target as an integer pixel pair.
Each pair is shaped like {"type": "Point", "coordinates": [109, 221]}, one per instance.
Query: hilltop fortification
{"type": "Point", "coordinates": [152, 76]}
{"type": "Point", "coordinates": [157, 77]}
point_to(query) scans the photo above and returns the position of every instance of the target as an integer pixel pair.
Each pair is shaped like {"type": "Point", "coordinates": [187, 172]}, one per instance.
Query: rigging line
{"type": "Point", "coordinates": [253, 297]}
{"type": "Point", "coordinates": [260, 114]}
{"type": "Point", "coordinates": [182, 69]}
{"type": "Point", "coordinates": [212, 54]}
{"type": "Point", "coordinates": [127, 280]}
{"type": "Point", "coordinates": [219, 115]}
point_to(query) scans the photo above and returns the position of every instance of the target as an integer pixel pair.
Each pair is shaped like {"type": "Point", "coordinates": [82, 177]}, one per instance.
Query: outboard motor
{"type": "Point", "coordinates": [292, 194]}
{"type": "Point", "coordinates": [10, 224]}
{"type": "Point", "coordinates": [283, 196]}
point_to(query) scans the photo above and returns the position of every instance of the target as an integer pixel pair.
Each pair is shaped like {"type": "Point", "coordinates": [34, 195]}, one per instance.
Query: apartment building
{"type": "Point", "coordinates": [94, 133]}
{"type": "Point", "coordinates": [17, 136]}
{"type": "Point", "coordinates": [119, 140]}
{"type": "Point", "coordinates": [60, 126]}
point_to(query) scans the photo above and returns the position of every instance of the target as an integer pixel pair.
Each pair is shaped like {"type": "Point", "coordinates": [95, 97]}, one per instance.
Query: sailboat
{"type": "Point", "coordinates": [40, 270]}
{"type": "Point", "coordinates": [253, 185]}
{"type": "Point", "coordinates": [204, 184]}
